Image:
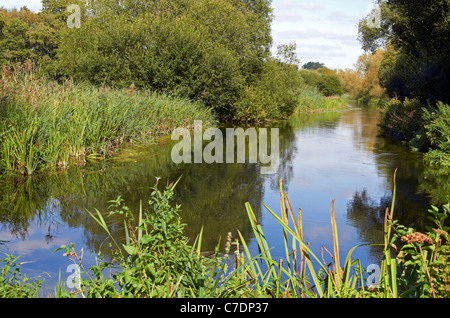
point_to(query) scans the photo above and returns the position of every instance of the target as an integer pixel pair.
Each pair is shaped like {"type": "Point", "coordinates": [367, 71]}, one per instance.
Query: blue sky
{"type": "Point", "coordinates": [325, 30]}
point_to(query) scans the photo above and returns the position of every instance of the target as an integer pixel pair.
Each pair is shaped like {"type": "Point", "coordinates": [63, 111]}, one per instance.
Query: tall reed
{"type": "Point", "coordinates": [48, 124]}
{"type": "Point", "coordinates": [312, 100]}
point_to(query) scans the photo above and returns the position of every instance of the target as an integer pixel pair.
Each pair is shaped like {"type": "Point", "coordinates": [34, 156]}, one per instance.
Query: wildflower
{"type": "Point", "coordinates": [417, 237]}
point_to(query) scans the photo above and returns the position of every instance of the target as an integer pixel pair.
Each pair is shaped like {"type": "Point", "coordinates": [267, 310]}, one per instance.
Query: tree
{"type": "Point", "coordinates": [286, 53]}
{"type": "Point", "coordinates": [13, 38]}
{"type": "Point", "coordinates": [418, 61]}
{"type": "Point", "coordinates": [313, 65]}
{"type": "Point", "coordinates": [204, 50]}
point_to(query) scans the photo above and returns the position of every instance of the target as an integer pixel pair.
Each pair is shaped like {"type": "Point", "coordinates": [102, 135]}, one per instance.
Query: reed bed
{"type": "Point", "coordinates": [312, 100]}
{"type": "Point", "coordinates": [47, 124]}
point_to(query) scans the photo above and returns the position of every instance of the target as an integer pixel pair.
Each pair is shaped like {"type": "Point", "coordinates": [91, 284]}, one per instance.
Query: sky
{"type": "Point", "coordinates": [325, 31]}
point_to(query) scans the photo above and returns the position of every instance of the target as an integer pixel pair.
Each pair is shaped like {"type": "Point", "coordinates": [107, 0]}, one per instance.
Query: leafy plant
{"type": "Point", "coordinates": [14, 284]}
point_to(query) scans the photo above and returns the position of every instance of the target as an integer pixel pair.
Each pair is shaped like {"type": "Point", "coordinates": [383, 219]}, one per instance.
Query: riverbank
{"type": "Point", "coordinates": [47, 125]}
{"type": "Point", "coordinates": [156, 261]}
{"type": "Point", "coordinates": [312, 101]}
{"type": "Point", "coordinates": [424, 128]}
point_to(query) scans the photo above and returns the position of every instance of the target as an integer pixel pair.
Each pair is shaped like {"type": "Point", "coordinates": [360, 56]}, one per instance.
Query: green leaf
{"type": "Point", "coordinates": [130, 249]}
{"type": "Point", "coordinates": [146, 239]}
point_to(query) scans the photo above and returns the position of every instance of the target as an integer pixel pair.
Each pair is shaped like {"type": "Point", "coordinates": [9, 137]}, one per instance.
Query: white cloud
{"type": "Point", "coordinates": [33, 5]}
{"type": "Point", "coordinates": [325, 30]}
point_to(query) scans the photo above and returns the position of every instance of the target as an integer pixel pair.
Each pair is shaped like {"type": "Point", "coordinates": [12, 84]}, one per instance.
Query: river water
{"type": "Point", "coordinates": [323, 157]}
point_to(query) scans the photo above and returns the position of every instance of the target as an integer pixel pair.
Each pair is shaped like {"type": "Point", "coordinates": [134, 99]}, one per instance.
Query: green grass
{"type": "Point", "coordinates": [44, 124]}
{"type": "Point", "coordinates": [311, 100]}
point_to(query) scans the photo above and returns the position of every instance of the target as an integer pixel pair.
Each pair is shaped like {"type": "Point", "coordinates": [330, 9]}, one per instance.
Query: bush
{"type": "Point", "coordinates": [437, 131]}
{"type": "Point", "coordinates": [402, 121]}
{"type": "Point", "coordinates": [330, 85]}
{"type": "Point", "coordinates": [207, 51]}
{"type": "Point", "coordinates": [323, 79]}
{"type": "Point", "coordinates": [275, 95]}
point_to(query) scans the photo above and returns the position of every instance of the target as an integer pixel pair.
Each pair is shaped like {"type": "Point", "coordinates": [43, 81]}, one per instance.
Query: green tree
{"type": "Point", "coordinates": [13, 39]}
{"type": "Point", "coordinates": [418, 64]}
{"type": "Point", "coordinates": [206, 50]}
{"type": "Point", "coordinates": [313, 65]}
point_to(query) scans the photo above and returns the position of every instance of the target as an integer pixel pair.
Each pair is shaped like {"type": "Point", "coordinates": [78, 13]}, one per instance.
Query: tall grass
{"type": "Point", "coordinates": [419, 268]}
{"type": "Point", "coordinates": [312, 100]}
{"type": "Point", "coordinates": [48, 124]}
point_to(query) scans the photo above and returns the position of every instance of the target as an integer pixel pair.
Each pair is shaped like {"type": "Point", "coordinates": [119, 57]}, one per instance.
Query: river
{"type": "Point", "coordinates": [323, 157]}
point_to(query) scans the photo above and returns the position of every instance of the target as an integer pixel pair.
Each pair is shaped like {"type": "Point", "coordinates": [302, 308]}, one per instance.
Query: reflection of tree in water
{"type": "Point", "coordinates": [213, 196]}
{"type": "Point", "coordinates": [416, 187]}
{"type": "Point", "coordinates": [210, 195]}
{"type": "Point", "coordinates": [288, 142]}
{"type": "Point", "coordinates": [367, 216]}
{"type": "Point", "coordinates": [288, 150]}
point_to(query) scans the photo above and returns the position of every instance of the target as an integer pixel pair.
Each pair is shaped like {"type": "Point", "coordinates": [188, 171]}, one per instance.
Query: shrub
{"type": "Point", "coordinates": [275, 95]}
{"type": "Point", "coordinates": [437, 131]}
{"type": "Point", "coordinates": [330, 85]}
{"type": "Point", "coordinates": [401, 121]}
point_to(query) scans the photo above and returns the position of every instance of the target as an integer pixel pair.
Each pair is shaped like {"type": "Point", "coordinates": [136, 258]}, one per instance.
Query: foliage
{"type": "Point", "coordinates": [401, 121]}
{"type": "Point", "coordinates": [425, 129]}
{"type": "Point", "coordinates": [313, 65]}
{"type": "Point", "coordinates": [437, 132]}
{"type": "Point", "coordinates": [325, 80]}
{"type": "Point", "coordinates": [424, 257]}
{"type": "Point", "coordinates": [14, 284]}
{"type": "Point", "coordinates": [417, 35]}
{"type": "Point", "coordinates": [46, 124]}
{"type": "Point", "coordinates": [330, 85]}
{"type": "Point", "coordinates": [184, 48]}
{"type": "Point", "coordinates": [363, 83]}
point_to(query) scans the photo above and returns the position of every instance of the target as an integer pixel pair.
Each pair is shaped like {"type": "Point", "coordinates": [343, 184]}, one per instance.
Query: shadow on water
{"type": "Point", "coordinates": [325, 156]}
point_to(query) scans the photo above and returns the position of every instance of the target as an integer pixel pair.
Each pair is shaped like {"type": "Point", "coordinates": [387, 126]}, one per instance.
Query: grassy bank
{"type": "Point", "coordinates": [311, 100]}
{"type": "Point", "coordinates": [424, 128]}
{"type": "Point", "coordinates": [45, 124]}
{"type": "Point", "coordinates": [156, 261]}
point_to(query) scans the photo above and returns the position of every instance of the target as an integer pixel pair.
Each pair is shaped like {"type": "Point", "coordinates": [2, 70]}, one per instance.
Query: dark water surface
{"type": "Point", "coordinates": [326, 156]}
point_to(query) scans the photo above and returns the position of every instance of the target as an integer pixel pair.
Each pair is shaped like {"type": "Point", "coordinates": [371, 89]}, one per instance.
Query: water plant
{"type": "Point", "coordinates": [46, 124]}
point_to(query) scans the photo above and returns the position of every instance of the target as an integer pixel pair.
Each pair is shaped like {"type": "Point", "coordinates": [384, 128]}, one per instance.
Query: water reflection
{"type": "Point", "coordinates": [333, 155]}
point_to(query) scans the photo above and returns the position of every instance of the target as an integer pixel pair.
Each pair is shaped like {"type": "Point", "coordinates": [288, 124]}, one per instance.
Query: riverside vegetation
{"type": "Point", "coordinates": [137, 69]}
{"type": "Point", "coordinates": [413, 68]}
{"type": "Point", "coordinates": [157, 260]}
